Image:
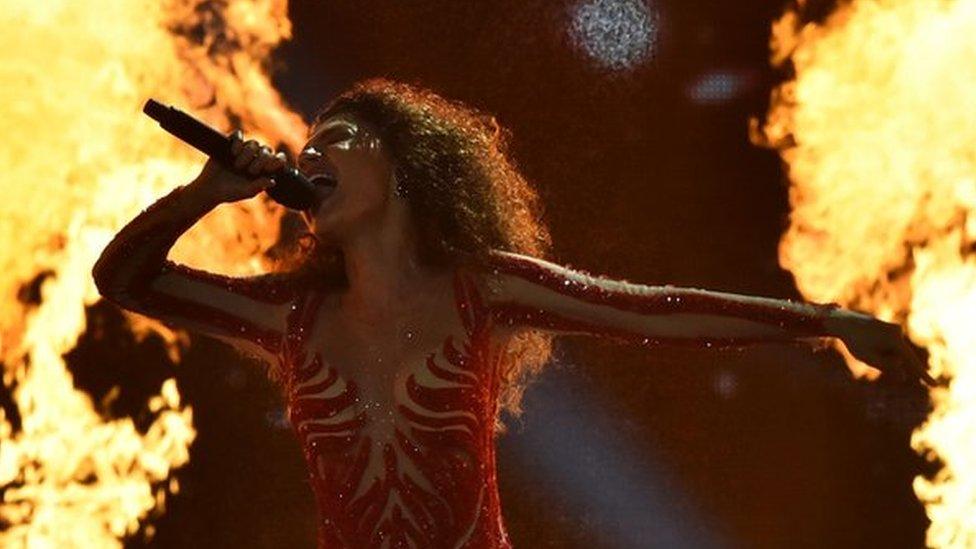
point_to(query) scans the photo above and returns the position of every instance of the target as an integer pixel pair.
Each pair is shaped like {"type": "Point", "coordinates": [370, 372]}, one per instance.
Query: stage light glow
{"type": "Point", "coordinates": [616, 34]}
{"type": "Point", "coordinates": [725, 383]}
{"type": "Point", "coordinates": [579, 455]}
{"type": "Point", "coordinates": [720, 86]}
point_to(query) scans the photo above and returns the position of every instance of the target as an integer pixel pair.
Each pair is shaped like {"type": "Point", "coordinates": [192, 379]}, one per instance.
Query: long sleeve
{"type": "Point", "coordinates": [523, 291]}
{"type": "Point", "coordinates": [133, 272]}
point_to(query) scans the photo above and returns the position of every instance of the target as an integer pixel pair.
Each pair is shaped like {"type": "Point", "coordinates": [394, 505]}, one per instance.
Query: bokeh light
{"type": "Point", "coordinates": [718, 87]}
{"type": "Point", "coordinates": [616, 34]}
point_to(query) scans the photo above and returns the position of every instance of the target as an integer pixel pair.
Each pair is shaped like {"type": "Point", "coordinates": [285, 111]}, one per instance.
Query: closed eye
{"type": "Point", "coordinates": [335, 134]}
{"type": "Point", "coordinates": [332, 136]}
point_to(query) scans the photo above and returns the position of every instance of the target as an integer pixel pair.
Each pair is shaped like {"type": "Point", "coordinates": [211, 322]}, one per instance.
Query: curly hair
{"type": "Point", "coordinates": [465, 192]}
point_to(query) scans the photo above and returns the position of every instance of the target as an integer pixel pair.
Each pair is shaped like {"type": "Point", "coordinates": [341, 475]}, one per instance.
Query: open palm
{"type": "Point", "coordinates": [880, 344]}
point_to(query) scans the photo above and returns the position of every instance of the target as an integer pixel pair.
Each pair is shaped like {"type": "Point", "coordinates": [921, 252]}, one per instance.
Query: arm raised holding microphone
{"type": "Point", "coordinates": [250, 157]}
{"type": "Point", "coordinates": [133, 272]}
{"type": "Point", "coordinates": [291, 188]}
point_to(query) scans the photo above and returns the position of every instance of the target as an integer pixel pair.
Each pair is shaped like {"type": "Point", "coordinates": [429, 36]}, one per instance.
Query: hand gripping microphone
{"type": "Point", "coordinates": [291, 189]}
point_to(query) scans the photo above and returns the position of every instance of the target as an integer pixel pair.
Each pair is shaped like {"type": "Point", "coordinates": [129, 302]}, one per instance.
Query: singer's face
{"type": "Point", "coordinates": [352, 174]}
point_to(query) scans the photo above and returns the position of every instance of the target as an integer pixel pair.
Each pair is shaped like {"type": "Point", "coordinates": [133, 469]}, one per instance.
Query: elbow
{"type": "Point", "coordinates": [107, 286]}
{"type": "Point", "coordinates": [116, 291]}
{"type": "Point", "coordinates": [106, 290]}
{"type": "Point", "coordinates": [102, 275]}
{"type": "Point", "coordinates": [124, 270]}
{"type": "Point", "coordinates": [111, 280]}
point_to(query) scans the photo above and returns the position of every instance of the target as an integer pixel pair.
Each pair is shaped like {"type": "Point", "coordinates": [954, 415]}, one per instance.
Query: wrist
{"type": "Point", "coordinates": [200, 193]}
{"type": "Point", "coordinates": [837, 322]}
{"type": "Point", "coordinates": [834, 323]}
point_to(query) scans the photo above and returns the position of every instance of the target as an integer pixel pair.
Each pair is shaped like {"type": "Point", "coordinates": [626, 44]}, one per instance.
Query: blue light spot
{"type": "Point", "coordinates": [717, 87]}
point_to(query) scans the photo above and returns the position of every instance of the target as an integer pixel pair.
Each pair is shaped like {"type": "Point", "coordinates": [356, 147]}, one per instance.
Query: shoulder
{"type": "Point", "coordinates": [511, 276]}
{"type": "Point", "coordinates": [495, 261]}
{"type": "Point", "coordinates": [503, 264]}
{"type": "Point", "coordinates": [499, 272]}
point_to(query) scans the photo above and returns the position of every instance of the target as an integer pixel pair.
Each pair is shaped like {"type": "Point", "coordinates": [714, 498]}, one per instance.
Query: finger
{"type": "Point", "coordinates": [916, 364]}
{"type": "Point", "coordinates": [276, 162]}
{"type": "Point", "coordinates": [246, 156]}
{"type": "Point", "coordinates": [236, 142]}
{"type": "Point", "coordinates": [262, 183]}
{"type": "Point", "coordinates": [272, 163]}
{"type": "Point", "coordinates": [259, 161]}
{"type": "Point", "coordinates": [908, 361]}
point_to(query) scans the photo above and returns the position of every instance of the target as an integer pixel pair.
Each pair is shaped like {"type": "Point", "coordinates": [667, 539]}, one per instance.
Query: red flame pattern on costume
{"type": "Point", "coordinates": [429, 479]}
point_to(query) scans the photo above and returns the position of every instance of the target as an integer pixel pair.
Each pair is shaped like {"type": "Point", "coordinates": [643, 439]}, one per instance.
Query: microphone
{"type": "Point", "coordinates": [291, 189]}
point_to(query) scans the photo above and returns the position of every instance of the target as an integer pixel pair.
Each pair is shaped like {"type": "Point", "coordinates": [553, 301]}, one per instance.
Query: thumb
{"type": "Point", "coordinates": [258, 184]}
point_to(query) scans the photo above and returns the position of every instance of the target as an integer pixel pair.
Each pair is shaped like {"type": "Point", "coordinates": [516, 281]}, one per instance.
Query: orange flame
{"type": "Point", "coordinates": [877, 131]}
{"type": "Point", "coordinates": [80, 160]}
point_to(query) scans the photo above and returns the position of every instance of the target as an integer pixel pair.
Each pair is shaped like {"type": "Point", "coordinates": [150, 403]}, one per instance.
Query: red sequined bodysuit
{"type": "Point", "coordinates": [408, 460]}
{"type": "Point", "coordinates": [409, 463]}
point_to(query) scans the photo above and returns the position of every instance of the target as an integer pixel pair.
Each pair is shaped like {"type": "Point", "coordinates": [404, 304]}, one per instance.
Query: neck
{"type": "Point", "coordinates": [383, 269]}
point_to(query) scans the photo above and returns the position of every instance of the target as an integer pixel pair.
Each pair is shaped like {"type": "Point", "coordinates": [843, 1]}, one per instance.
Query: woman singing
{"type": "Point", "coordinates": [420, 310]}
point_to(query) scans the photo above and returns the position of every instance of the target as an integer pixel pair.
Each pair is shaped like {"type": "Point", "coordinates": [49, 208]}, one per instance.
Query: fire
{"type": "Point", "coordinates": [878, 130]}
{"type": "Point", "coordinates": [79, 161]}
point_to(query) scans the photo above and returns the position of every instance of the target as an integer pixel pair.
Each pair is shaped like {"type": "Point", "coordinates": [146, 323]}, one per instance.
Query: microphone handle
{"type": "Point", "coordinates": [292, 189]}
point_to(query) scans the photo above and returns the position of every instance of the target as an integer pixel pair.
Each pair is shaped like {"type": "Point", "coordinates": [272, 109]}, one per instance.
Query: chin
{"type": "Point", "coordinates": [327, 236]}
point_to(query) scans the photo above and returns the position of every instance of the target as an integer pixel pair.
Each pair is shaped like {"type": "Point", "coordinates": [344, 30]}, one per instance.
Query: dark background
{"type": "Point", "coordinates": [643, 178]}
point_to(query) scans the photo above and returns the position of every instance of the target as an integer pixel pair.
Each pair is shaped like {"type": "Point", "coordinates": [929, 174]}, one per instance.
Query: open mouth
{"type": "Point", "coordinates": [324, 182]}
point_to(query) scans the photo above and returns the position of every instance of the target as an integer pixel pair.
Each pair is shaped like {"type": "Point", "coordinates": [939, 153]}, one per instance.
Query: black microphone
{"type": "Point", "coordinates": [291, 189]}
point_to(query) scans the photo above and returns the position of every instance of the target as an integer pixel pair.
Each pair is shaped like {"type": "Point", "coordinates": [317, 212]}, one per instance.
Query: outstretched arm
{"type": "Point", "coordinates": [531, 292]}
{"type": "Point", "coordinates": [133, 272]}
{"type": "Point", "coordinates": [528, 291]}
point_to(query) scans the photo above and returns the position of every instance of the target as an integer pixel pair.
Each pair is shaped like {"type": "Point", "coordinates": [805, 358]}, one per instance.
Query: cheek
{"type": "Point", "coordinates": [367, 177]}
{"type": "Point", "coordinates": [378, 190]}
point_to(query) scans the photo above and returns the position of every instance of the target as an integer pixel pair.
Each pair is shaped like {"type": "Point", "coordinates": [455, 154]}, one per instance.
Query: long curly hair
{"type": "Point", "coordinates": [465, 192]}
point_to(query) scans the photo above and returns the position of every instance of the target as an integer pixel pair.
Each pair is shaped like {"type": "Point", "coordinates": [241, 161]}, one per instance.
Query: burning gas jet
{"type": "Point", "coordinates": [878, 135]}
{"type": "Point", "coordinates": [81, 161]}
